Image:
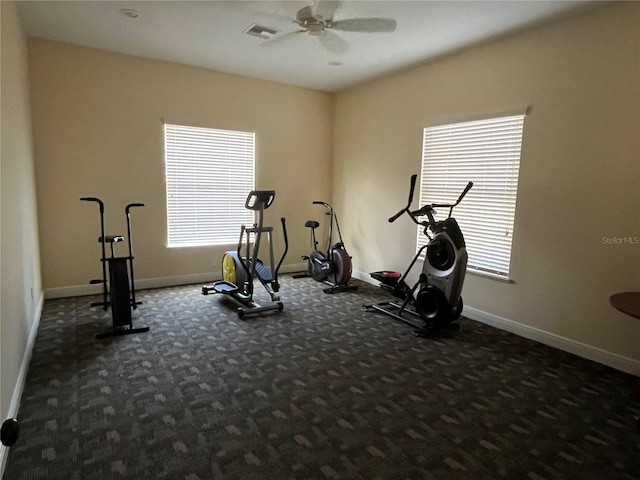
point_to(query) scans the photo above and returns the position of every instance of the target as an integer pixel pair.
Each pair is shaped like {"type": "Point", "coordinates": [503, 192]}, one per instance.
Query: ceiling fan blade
{"type": "Point", "coordinates": [333, 43]}
{"type": "Point", "coordinates": [365, 25]}
{"type": "Point", "coordinates": [278, 39]}
{"type": "Point", "coordinates": [325, 8]}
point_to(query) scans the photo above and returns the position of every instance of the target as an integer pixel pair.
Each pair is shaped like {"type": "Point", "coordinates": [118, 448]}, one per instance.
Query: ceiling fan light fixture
{"type": "Point", "coordinates": [315, 28]}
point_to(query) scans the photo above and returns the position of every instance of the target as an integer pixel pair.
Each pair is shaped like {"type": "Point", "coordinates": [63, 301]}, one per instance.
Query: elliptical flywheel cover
{"type": "Point", "coordinates": [432, 306]}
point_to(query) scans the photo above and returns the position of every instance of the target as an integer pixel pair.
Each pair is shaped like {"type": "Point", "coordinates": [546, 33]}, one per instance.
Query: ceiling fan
{"type": "Point", "coordinates": [318, 20]}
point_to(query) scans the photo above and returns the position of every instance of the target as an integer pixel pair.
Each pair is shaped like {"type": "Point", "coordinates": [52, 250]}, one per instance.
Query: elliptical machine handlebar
{"type": "Point", "coordinates": [284, 254]}
{"type": "Point", "coordinates": [427, 210]}
{"type": "Point", "coordinates": [414, 178]}
{"type": "Point", "coordinates": [450, 206]}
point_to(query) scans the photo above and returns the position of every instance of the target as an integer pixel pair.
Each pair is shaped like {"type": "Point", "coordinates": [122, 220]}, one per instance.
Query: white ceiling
{"type": "Point", "coordinates": [210, 34]}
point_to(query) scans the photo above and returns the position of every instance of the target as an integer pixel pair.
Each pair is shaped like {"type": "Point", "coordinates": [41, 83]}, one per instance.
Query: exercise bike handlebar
{"type": "Point", "coordinates": [94, 199]}
{"type": "Point", "coordinates": [131, 205]}
{"type": "Point", "coordinates": [326, 205]}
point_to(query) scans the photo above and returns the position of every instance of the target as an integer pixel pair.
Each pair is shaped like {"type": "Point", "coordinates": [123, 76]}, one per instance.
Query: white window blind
{"type": "Point", "coordinates": [487, 153]}
{"type": "Point", "coordinates": [209, 174]}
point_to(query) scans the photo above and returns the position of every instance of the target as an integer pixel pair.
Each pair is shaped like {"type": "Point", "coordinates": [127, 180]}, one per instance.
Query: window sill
{"type": "Point", "coordinates": [492, 276]}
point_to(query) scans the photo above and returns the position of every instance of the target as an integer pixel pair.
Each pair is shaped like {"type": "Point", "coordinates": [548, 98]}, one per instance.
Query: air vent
{"type": "Point", "coordinates": [261, 32]}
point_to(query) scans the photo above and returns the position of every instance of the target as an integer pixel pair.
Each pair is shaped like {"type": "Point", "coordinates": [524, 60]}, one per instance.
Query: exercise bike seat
{"type": "Point", "coordinates": [311, 224]}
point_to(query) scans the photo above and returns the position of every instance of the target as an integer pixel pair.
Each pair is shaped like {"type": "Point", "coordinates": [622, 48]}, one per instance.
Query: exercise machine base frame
{"type": "Point", "coordinates": [120, 332]}
{"type": "Point", "coordinates": [395, 309]}
{"type": "Point", "coordinates": [333, 288]}
{"type": "Point", "coordinates": [339, 288]}
{"type": "Point", "coordinates": [247, 306]}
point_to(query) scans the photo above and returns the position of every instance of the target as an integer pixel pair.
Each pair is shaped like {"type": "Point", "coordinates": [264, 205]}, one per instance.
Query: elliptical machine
{"type": "Point", "coordinates": [438, 303]}
{"type": "Point", "coordinates": [120, 294]}
{"type": "Point", "coordinates": [333, 268]}
{"type": "Point", "coordinates": [238, 272]}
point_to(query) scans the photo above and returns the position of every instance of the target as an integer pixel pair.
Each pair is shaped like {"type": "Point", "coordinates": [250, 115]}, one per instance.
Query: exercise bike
{"type": "Point", "coordinates": [239, 272]}
{"type": "Point", "coordinates": [434, 302]}
{"type": "Point", "coordinates": [333, 268]}
{"type": "Point", "coordinates": [120, 294]}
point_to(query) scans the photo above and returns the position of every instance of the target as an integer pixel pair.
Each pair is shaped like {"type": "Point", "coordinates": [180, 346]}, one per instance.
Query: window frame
{"type": "Point", "coordinates": [445, 173]}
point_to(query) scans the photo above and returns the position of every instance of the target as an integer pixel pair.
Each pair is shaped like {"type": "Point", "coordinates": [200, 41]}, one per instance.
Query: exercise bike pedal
{"type": "Point", "coordinates": [96, 281]}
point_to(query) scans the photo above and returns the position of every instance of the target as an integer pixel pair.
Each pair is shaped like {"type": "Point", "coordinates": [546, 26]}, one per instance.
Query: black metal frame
{"type": "Point", "coordinates": [339, 249]}
{"type": "Point", "coordinates": [120, 294]}
{"type": "Point", "coordinates": [393, 308]}
{"type": "Point", "coordinates": [257, 200]}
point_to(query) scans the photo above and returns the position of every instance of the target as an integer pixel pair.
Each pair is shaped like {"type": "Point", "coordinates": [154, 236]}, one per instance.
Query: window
{"type": "Point", "coordinates": [209, 174]}
{"type": "Point", "coordinates": [486, 152]}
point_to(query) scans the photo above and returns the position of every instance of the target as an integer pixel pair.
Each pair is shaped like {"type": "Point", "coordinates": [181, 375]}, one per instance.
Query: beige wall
{"type": "Point", "coordinates": [579, 178]}
{"type": "Point", "coordinates": [20, 289]}
{"type": "Point", "coordinates": [98, 132]}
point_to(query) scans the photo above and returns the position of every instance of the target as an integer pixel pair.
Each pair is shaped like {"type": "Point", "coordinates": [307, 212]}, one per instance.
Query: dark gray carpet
{"type": "Point", "coordinates": [322, 390]}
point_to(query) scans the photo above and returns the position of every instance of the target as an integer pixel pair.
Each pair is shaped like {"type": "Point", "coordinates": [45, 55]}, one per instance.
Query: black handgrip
{"type": "Point", "coordinates": [318, 202]}
{"type": "Point", "coordinates": [464, 192]}
{"type": "Point", "coordinates": [131, 205]}
{"type": "Point", "coordinates": [284, 232]}
{"type": "Point", "coordinates": [397, 215]}
{"type": "Point", "coordinates": [414, 178]}
{"type": "Point", "coordinates": [94, 199]}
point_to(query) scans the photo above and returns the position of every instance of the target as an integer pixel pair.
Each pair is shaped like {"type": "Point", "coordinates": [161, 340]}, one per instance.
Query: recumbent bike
{"type": "Point", "coordinates": [434, 302]}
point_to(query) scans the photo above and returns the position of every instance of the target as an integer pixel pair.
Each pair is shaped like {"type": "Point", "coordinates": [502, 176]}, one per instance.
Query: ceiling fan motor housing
{"type": "Point", "coordinates": [312, 24]}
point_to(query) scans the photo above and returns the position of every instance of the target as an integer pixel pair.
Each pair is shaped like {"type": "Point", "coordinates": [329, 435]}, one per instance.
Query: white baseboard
{"type": "Point", "coordinates": [22, 377]}
{"type": "Point", "coordinates": [583, 350]}
{"type": "Point", "coordinates": [160, 282]}
{"type": "Point", "coordinates": [580, 349]}
{"type": "Point", "coordinates": [365, 277]}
